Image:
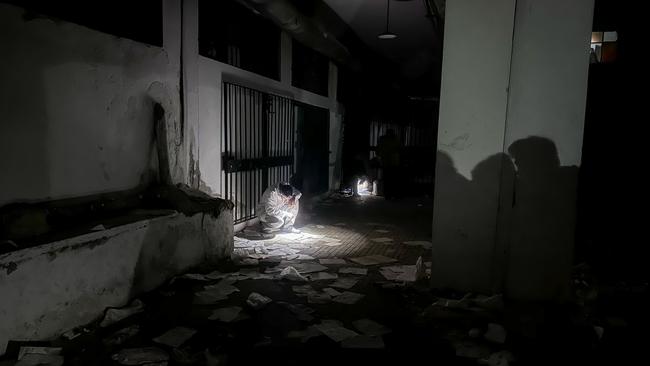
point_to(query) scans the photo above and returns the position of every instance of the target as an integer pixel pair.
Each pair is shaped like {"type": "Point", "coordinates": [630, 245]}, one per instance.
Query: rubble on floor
{"type": "Point", "coordinates": [276, 293]}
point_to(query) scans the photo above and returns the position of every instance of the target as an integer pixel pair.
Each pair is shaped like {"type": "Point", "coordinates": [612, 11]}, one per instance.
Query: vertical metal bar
{"type": "Point", "coordinates": [249, 150]}
{"type": "Point", "coordinates": [265, 133]}
{"type": "Point", "coordinates": [285, 126]}
{"type": "Point", "coordinates": [231, 105]}
{"type": "Point", "coordinates": [245, 207]}
{"type": "Point", "coordinates": [239, 151]}
{"type": "Point", "coordinates": [224, 145]}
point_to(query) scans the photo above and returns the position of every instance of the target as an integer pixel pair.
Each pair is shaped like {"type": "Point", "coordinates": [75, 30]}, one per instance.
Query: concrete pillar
{"type": "Point", "coordinates": [513, 94]}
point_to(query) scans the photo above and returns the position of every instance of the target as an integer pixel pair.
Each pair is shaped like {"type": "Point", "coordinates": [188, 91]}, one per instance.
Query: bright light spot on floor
{"type": "Point", "coordinates": [363, 187]}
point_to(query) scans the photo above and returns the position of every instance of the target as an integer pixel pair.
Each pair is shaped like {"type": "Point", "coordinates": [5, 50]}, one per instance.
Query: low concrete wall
{"type": "Point", "coordinates": [54, 287]}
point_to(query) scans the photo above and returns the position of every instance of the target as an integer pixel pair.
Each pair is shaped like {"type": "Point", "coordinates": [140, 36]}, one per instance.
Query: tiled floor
{"type": "Point", "coordinates": [357, 221]}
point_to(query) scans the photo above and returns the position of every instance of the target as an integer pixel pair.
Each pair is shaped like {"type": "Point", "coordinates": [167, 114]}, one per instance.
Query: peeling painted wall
{"type": "Point", "coordinates": [76, 107]}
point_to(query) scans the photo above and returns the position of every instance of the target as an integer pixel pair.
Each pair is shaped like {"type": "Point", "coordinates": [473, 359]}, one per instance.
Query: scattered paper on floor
{"type": "Point", "coordinates": [364, 342]}
{"type": "Point", "coordinates": [371, 260]}
{"type": "Point", "coordinates": [421, 243]}
{"type": "Point", "coordinates": [303, 290]}
{"type": "Point", "coordinates": [345, 283]}
{"type": "Point", "coordinates": [44, 351]}
{"type": "Point", "coordinates": [354, 271]}
{"type": "Point", "coordinates": [305, 334]}
{"type": "Point", "coordinates": [322, 276]}
{"type": "Point", "coordinates": [331, 261]}
{"type": "Point", "coordinates": [407, 273]}
{"type": "Point", "coordinates": [291, 274]}
{"type": "Point", "coordinates": [370, 327]}
{"type": "Point", "coordinates": [348, 298]}
{"type": "Point", "coordinates": [382, 240]}
{"type": "Point", "coordinates": [335, 330]}
{"type": "Point", "coordinates": [318, 298]}
{"type": "Point", "coordinates": [330, 291]}
{"type": "Point", "coordinates": [175, 337]}
{"type": "Point", "coordinates": [225, 315]}
{"type": "Point", "coordinates": [114, 315]}
{"type": "Point", "coordinates": [140, 356]}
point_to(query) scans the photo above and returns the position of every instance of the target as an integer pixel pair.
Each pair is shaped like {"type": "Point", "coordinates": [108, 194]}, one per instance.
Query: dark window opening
{"type": "Point", "coordinates": [232, 34]}
{"type": "Point", "coordinates": [136, 20]}
{"type": "Point", "coordinates": [309, 69]}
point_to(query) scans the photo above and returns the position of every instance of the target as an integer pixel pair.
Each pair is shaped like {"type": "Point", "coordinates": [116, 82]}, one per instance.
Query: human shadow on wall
{"type": "Point", "coordinates": [530, 242]}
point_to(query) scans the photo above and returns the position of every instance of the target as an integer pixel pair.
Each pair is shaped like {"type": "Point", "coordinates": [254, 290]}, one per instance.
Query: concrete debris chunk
{"type": "Point", "coordinates": [257, 301]}
{"type": "Point", "coordinates": [495, 333]}
{"type": "Point", "coordinates": [354, 271]}
{"type": "Point", "coordinates": [175, 337]}
{"type": "Point", "coordinates": [114, 315]}
{"type": "Point", "coordinates": [370, 327]}
{"type": "Point", "coordinates": [226, 315]}
{"type": "Point", "coordinates": [140, 356]}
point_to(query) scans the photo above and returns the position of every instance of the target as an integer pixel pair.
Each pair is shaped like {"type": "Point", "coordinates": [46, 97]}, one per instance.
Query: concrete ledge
{"type": "Point", "coordinates": [48, 289]}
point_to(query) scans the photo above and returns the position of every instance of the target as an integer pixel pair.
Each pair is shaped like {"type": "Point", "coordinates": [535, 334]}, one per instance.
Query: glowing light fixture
{"type": "Point", "coordinates": [387, 34]}
{"type": "Point", "coordinates": [362, 187]}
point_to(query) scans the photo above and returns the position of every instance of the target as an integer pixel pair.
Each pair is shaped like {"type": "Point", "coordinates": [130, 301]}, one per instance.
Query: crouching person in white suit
{"type": "Point", "coordinates": [278, 208]}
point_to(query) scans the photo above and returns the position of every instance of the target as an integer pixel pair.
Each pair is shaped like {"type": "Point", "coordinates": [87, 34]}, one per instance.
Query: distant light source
{"type": "Point", "coordinates": [387, 34]}
{"type": "Point", "coordinates": [362, 187]}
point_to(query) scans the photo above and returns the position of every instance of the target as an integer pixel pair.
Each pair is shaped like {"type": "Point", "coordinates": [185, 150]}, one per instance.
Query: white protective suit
{"type": "Point", "coordinates": [274, 210]}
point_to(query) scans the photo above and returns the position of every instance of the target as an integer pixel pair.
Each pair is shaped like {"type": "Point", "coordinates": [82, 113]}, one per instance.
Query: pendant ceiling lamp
{"type": "Point", "coordinates": [387, 34]}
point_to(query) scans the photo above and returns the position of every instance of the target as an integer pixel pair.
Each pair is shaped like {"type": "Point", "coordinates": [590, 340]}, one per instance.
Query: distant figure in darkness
{"type": "Point", "coordinates": [278, 208]}
{"type": "Point", "coordinates": [388, 150]}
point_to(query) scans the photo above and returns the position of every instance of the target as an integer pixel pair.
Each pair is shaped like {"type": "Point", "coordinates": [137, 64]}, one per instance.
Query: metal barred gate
{"type": "Point", "coordinates": [257, 139]}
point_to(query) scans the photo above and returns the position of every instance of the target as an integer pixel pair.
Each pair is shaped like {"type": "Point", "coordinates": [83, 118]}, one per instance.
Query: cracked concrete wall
{"type": "Point", "coordinates": [52, 288]}
{"type": "Point", "coordinates": [77, 107]}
